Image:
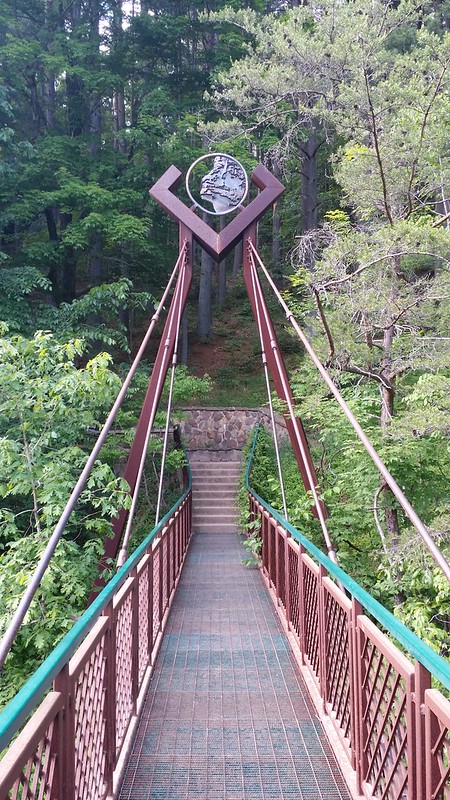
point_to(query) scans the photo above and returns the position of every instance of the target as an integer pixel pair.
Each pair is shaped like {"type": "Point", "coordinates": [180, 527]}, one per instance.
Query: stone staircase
{"type": "Point", "coordinates": [214, 490]}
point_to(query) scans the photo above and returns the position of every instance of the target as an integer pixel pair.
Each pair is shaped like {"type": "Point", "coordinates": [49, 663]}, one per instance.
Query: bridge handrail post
{"type": "Point", "coordinates": [301, 604]}
{"type": "Point", "coordinates": [287, 581]}
{"type": "Point", "coordinates": [362, 762]}
{"type": "Point", "coordinates": [66, 760]}
{"type": "Point", "coordinates": [322, 641]}
{"type": "Point", "coordinates": [273, 525]}
{"type": "Point", "coordinates": [355, 694]}
{"type": "Point", "coordinates": [160, 548]}
{"type": "Point", "coordinates": [135, 638]}
{"type": "Point", "coordinates": [422, 682]}
{"type": "Point", "coordinates": [111, 695]}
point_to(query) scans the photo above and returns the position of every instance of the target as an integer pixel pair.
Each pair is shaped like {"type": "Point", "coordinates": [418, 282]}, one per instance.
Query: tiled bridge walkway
{"type": "Point", "coordinates": [227, 716]}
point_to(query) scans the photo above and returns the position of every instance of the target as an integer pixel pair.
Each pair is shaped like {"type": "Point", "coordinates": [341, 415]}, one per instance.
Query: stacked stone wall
{"type": "Point", "coordinates": [224, 430]}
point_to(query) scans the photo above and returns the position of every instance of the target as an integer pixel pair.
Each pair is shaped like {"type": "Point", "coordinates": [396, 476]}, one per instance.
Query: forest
{"type": "Point", "coordinates": [348, 105]}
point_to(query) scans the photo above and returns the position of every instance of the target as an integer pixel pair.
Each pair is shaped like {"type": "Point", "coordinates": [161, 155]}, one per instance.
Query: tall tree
{"type": "Point", "coordinates": [376, 78]}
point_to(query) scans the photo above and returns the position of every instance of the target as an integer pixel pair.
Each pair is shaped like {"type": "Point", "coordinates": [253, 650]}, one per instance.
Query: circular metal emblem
{"type": "Point", "coordinates": [220, 180]}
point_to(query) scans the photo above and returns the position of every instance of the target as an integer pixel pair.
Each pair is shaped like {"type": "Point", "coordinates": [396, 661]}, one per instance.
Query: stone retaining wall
{"type": "Point", "coordinates": [224, 429]}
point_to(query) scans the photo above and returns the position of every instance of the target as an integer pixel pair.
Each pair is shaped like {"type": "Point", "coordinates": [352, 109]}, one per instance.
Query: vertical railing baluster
{"type": "Point", "coordinates": [161, 580]}
{"type": "Point", "coordinates": [266, 534]}
{"type": "Point", "coordinates": [322, 644]}
{"type": "Point", "coordinates": [422, 682]}
{"type": "Point", "coordinates": [168, 562]}
{"type": "Point", "coordinates": [355, 691]}
{"type": "Point", "coordinates": [276, 532]}
{"type": "Point", "coordinates": [190, 517]}
{"type": "Point", "coordinates": [111, 695]}
{"type": "Point", "coordinates": [134, 633]}
{"type": "Point", "coordinates": [287, 581]}
{"type": "Point", "coordinates": [56, 753]}
{"type": "Point", "coordinates": [362, 728]}
{"type": "Point", "coordinates": [183, 531]}
{"type": "Point", "coordinates": [301, 604]}
{"type": "Point", "coordinates": [178, 527]}
{"type": "Point", "coordinates": [150, 589]}
{"type": "Point", "coordinates": [66, 761]}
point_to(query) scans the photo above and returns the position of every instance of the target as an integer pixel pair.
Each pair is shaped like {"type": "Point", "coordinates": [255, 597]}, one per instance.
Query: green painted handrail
{"type": "Point", "coordinates": [434, 663]}
{"type": "Point", "coordinates": [23, 703]}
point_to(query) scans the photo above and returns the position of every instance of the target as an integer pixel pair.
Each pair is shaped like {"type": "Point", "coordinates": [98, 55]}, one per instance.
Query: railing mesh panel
{"type": "Point", "coordinates": [385, 725]}
{"type": "Point", "coordinates": [272, 550]}
{"type": "Point", "coordinates": [281, 581]}
{"type": "Point", "coordinates": [37, 777]}
{"type": "Point", "coordinates": [265, 543]}
{"type": "Point", "coordinates": [293, 589]}
{"type": "Point", "coordinates": [439, 753]}
{"type": "Point", "coordinates": [311, 618]}
{"type": "Point", "coordinates": [156, 556]}
{"type": "Point", "coordinates": [144, 620]}
{"type": "Point", "coordinates": [90, 729]}
{"type": "Point", "coordinates": [163, 555]}
{"type": "Point", "coordinates": [338, 662]}
{"type": "Point", "coordinates": [124, 683]}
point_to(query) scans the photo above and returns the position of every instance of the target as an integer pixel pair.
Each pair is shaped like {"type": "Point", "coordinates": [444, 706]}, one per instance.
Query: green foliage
{"type": "Point", "coordinates": [400, 573]}
{"type": "Point", "coordinates": [101, 302]}
{"type": "Point", "coordinates": [47, 405]}
{"type": "Point", "coordinates": [252, 543]}
{"type": "Point", "coordinates": [372, 282]}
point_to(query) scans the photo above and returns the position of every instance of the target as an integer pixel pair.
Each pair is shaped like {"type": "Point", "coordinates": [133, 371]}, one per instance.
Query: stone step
{"type": "Point", "coordinates": [214, 477]}
{"type": "Point", "coordinates": [216, 515]}
{"type": "Point", "coordinates": [204, 505]}
{"type": "Point", "coordinates": [215, 528]}
{"type": "Point", "coordinates": [206, 487]}
{"type": "Point", "coordinates": [214, 489]}
{"type": "Point", "coordinates": [213, 466]}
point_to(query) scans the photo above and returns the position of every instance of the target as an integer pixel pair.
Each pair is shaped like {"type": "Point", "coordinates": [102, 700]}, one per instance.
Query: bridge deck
{"type": "Point", "coordinates": [227, 715]}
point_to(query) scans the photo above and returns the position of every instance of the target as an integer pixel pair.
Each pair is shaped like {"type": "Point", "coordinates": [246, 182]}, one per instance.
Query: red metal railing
{"type": "Point", "coordinates": [73, 747]}
{"type": "Point", "coordinates": [393, 728]}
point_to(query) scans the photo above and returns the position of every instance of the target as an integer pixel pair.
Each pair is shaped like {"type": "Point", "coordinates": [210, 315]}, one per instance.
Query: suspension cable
{"type": "Point", "coordinates": [269, 393]}
{"type": "Point", "coordinates": [313, 488]}
{"type": "Point", "coordinates": [381, 466]}
{"type": "Point", "coordinates": [30, 591]}
{"type": "Point", "coordinates": [122, 556]}
{"type": "Point", "coordinates": [169, 402]}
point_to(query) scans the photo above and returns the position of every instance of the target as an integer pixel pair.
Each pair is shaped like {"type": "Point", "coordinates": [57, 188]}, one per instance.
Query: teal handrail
{"type": "Point", "coordinates": [434, 663]}
{"type": "Point", "coordinates": [27, 698]}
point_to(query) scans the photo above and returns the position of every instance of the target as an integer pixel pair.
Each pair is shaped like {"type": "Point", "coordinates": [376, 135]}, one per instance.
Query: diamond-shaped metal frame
{"type": "Point", "coordinates": [218, 245]}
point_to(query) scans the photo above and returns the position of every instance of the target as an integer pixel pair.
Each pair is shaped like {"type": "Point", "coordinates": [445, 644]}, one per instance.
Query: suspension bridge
{"type": "Point", "coordinates": [189, 676]}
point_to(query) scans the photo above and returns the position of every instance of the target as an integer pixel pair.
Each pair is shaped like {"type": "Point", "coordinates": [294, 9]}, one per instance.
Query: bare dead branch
{"type": "Point", "coordinates": [326, 327]}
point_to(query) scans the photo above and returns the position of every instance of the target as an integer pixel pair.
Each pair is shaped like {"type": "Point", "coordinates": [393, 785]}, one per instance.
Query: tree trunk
{"type": "Point", "coordinates": [237, 259]}
{"type": "Point", "coordinates": [118, 100]}
{"type": "Point", "coordinates": [277, 267]}
{"type": "Point", "coordinates": [309, 182]}
{"type": "Point", "coordinates": [388, 405]}
{"type": "Point", "coordinates": [222, 274]}
{"type": "Point", "coordinates": [96, 260]}
{"type": "Point", "coordinates": [69, 267]}
{"type": "Point", "coordinates": [49, 100]}
{"type": "Point", "coordinates": [204, 319]}
{"type": "Point", "coordinates": [54, 272]}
